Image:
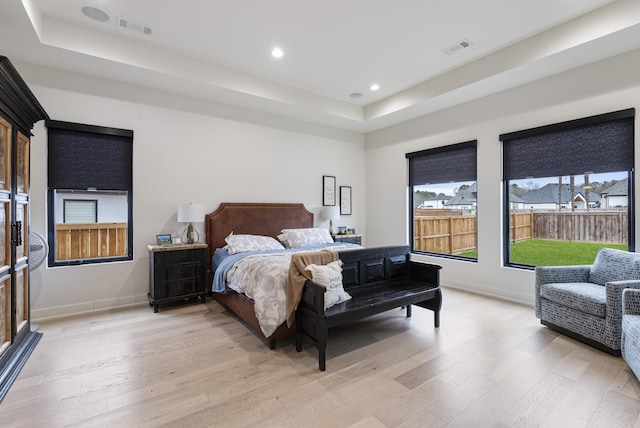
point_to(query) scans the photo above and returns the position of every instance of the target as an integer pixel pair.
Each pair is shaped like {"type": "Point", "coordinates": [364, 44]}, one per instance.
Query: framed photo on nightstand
{"type": "Point", "coordinates": [163, 240]}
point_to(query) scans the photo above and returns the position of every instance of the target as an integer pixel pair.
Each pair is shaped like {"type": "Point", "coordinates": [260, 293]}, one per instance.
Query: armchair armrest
{"type": "Point", "coordinates": [553, 274]}
{"type": "Point", "coordinates": [631, 301]}
{"type": "Point", "coordinates": [614, 299]}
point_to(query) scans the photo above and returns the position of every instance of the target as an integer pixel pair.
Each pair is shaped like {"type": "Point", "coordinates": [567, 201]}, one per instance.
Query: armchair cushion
{"type": "Point", "coordinates": [614, 265]}
{"type": "Point", "coordinates": [583, 296]}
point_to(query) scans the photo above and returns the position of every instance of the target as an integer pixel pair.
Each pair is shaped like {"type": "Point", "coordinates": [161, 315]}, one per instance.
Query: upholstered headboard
{"type": "Point", "coordinates": [266, 219]}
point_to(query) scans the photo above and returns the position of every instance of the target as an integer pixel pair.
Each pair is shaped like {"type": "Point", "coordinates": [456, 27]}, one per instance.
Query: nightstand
{"type": "Point", "coordinates": [176, 272]}
{"type": "Point", "coordinates": [353, 238]}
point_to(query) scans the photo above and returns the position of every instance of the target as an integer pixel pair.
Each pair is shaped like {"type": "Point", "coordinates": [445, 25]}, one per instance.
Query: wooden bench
{"type": "Point", "coordinates": [378, 279]}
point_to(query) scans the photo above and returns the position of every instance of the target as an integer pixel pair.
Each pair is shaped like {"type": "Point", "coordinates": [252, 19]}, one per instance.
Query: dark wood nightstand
{"type": "Point", "coordinates": [353, 238]}
{"type": "Point", "coordinates": [176, 272]}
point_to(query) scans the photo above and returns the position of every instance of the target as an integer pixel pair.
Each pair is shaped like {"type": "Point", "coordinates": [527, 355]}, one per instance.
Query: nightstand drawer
{"type": "Point", "coordinates": [350, 238]}
{"type": "Point", "coordinates": [182, 287]}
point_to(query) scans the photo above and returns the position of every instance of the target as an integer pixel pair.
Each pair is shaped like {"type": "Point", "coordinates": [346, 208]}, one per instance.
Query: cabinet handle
{"type": "Point", "coordinates": [16, 233]}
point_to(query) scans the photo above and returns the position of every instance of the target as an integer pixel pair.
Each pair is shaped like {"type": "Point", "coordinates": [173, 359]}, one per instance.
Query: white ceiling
{"type": "Point", "coordinates": [219, 50]}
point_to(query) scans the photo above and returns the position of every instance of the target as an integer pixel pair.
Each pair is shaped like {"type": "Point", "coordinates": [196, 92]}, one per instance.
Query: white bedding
{"type": "Point", "coordinates": [263, 278]}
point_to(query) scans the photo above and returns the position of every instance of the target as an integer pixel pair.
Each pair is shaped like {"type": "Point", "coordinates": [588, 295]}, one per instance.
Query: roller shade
{"type": "Point", "coordinates": [597, 144]}
{"type": "Point", "coordinates": [454, 163]}
{"type": "Point", "coordinates": [85, 156]}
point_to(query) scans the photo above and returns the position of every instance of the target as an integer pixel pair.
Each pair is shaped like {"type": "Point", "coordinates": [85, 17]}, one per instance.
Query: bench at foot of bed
{"type": "Point", "coordinates": [378, 279]}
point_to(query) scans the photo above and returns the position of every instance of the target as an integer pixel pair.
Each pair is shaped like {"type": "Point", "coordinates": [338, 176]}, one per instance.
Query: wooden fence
{"type": "Point", "coordinates": [521, 226]}
{"type": "Point", "coordinates": [90, 240]}
{"type": "Point", "coordinates": [454, 234]}
{"type": "Point", "coordinates": [445, 234]}
{"type": "Point", "coordinates": [591, 226]}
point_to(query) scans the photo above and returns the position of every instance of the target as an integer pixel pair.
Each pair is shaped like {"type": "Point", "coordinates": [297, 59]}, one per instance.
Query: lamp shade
{"type": "Point", "coordinates": [190, 213]}
{"type": "Point", "coordinates": [331, 212]}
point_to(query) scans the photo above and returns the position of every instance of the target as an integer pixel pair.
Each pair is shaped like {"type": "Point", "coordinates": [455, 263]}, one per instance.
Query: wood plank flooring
{"type": "Point", "coordinates": [490, 364]}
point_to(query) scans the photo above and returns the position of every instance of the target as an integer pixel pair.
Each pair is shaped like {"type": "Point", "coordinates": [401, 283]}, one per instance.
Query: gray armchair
{"type": "Point", "coordinates": [585, 302]}
{"type": "Point", "coordinates": [631, 330]}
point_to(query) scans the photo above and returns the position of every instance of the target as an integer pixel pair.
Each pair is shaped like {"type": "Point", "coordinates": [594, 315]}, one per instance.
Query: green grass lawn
{"type": "Point", "coordinates": [543, 252]}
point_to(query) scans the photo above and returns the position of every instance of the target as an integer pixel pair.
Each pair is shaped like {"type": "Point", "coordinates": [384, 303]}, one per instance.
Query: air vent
{"type": "Point", "coordinates": [450, 50]}
{"type": "Point", "coordinates": [133, 26]}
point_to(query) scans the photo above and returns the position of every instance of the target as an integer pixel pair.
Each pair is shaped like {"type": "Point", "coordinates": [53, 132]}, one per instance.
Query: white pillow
{"type": "Point", "coordinates": [283, 240]}
{"type": "Point", "coordinates": [330, 275]}
{"type": "Point", "coordinates": [310, 236]}
{"type": "Point", "coordinates": [243, 243]}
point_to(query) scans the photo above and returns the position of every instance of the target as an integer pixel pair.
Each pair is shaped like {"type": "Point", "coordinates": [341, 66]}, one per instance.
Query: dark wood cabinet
{"type": "Point", "coordinates": [176, 272]}
{"type": "Point", "coordinates": [19, 111]}
{"type": "Point", "coordinates": [349, 237]}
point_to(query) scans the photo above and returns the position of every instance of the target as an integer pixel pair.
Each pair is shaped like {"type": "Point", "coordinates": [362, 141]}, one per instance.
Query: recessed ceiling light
{"type": "Point", "coordinates": [355, 95]}
{"type": "Point", "coordinates": [375, 87]}
{"type": "Point", "coordinates": [277, 53]}
{"type": "Point", "coordinates": [95, 14]}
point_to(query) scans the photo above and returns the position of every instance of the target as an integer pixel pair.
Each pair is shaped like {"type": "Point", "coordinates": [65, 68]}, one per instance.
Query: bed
{"type": "Point", "coordinates": [265, 219]}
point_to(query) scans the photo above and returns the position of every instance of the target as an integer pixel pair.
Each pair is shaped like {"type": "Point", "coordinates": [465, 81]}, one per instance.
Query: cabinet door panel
{"type": "Point", "coordinates": [22, 297]}
{"type": "Point", "coordinates": [5, 236]}
{"type": "Point", "coordinates": [22, 164]}
{"type": "Point", "coordinates": [5, 313]}
{"type": "Point", "coordinates": [5, 155]}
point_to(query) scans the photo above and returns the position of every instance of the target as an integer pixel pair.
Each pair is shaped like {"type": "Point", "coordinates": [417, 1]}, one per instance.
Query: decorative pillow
{"type": "Point", "coordinates": [309, 236]}
{"type": "Point", "coordinates": [330, 275]}
{"type": "Point", "coordinates": [243, 243]}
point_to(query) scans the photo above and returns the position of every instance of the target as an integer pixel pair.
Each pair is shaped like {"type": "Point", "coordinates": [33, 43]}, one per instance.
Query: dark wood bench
{"type": "Point", "coordinates": [378, 279]}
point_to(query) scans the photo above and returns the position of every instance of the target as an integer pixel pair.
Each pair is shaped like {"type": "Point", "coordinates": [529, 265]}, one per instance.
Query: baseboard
{"type": "Point", "coordinates": [44, 314]}
{"type": "Point", "coordinates": [490, 292]}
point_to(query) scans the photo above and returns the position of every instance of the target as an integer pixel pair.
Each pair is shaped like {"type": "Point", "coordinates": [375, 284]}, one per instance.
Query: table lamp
{"type": "Point", "coordinates": [331, 213]}
{"type": "Point", "coordinates": [190, 213]}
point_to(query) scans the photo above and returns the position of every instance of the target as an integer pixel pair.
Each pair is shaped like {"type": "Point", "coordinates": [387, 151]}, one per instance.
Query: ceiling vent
{"type": "Point", "coordinates": [133, 26]}
{"type": "Point", "coordinates": [450, 50]}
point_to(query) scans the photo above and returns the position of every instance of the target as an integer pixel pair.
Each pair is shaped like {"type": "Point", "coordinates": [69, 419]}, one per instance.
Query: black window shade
{"type": "Point", "coordinates": [85, 156]}
{"type": "Point", "coordinates": [454, 163]}
{"type": "Point", "coordinates": [596, 144]}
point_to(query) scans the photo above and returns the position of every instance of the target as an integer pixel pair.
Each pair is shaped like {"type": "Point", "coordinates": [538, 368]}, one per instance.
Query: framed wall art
{"type": "Point", "coordinates": [345, 200]}
{"type": "Point", "coordinates": [328, 190]}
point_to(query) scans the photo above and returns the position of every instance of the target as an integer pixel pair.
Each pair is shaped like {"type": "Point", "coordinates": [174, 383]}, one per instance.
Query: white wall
{"type": "Point", "coordinates": [598, 88]}
{"type": "Point", "coordinates": [180, 156]}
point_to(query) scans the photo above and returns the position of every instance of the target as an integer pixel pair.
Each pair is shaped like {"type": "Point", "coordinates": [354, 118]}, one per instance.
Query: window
{"type": "Point", "coordinates": [568, 190]}
{"type": "Point", "coordinates": [79, 211]}
{"type": "Point", "coordinates": [90, 193]}
{"type": "Point", "coordinates": [443, 200]}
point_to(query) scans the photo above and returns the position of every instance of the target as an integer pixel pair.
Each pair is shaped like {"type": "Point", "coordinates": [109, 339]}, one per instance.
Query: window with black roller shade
{"type": "Point", "coordinates": [443, 200]}
{"type": "Point", "coordinates": [89, 168]}
{"type": "Point", "coordinates": [568, 190]}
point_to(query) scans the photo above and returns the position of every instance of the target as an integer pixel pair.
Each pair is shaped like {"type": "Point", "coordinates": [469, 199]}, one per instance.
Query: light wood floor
{"type": "Point", "coordinates": [490, 364]}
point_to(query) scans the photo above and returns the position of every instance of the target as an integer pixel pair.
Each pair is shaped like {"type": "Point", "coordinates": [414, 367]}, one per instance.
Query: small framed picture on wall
{"type": "Point", "coordinates": [345, 200]}
{"type": "Point", "coordinates": [328, 190]}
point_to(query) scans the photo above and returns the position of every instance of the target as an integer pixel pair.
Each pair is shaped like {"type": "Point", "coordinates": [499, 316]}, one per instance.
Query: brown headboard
{"type": "Point", "coordinates": [266, 219]}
